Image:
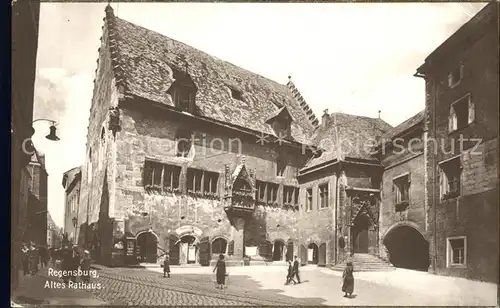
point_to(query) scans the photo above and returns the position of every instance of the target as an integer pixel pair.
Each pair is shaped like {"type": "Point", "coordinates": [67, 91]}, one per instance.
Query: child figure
{"type": "Point", "coordinates": [348, 284]}
{"type": "Point", "coordinates": [290, 274]}
{"type": "Point", "coordinates": [166, 267]}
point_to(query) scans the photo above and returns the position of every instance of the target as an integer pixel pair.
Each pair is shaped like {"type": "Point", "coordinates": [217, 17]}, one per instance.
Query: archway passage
{"type": "Point", "coordinates": [312, 253]}
{"type": "Point", "coordinates": [303, 255]}
{"type": "Point", "coordinates": [407, 248]}
{"type": "Point", "coordinates": [278, 250]}
{"type": "Point", "coordinates": [289, 251]}
{"type": "Point", "coordinates": [148, 245]}
{"type": "Point", "coordinates": [187, 250]}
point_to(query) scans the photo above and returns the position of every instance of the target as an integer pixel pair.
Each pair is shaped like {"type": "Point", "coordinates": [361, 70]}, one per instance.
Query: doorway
{"type": "Point", "coordinates": [289, 251]}
{"type": "Point", "coordinates": [187, 250]}
{"type": "Point", "coordinates": [148, 245]}
{"type": "Point", "coordinates": [312, 253]}
{"type": "Point", "coordinates": [278, 250]}
{"type": "Point", "coordinates": [361, 235]}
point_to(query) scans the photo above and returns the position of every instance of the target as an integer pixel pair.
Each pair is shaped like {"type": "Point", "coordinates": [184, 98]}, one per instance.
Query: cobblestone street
{"type": "Point", "coordinates": [251, 286]}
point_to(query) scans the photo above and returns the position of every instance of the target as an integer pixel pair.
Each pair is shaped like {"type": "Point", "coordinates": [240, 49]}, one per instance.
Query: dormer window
{"type": "Point", "coordinates": [236, 94]}
{"type": "Point", "coordinates": [183, 91]}
{"type": "Point", "coordinates": [281, 123]}
{"type": "Point", "coordinates": [184, 143]}
{"type": "Point", "coordinates": [183, 97]}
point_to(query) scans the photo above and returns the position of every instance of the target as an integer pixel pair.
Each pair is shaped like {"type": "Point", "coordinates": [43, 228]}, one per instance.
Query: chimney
{"type": "Point", "coordinates": [325, 118]}
{"type": "Point", "coordinates": [379, 113]}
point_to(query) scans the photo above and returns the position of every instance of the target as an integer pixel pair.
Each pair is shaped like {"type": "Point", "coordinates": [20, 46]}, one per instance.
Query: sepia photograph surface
{"type": "Point", "coordinates": [254, 154]}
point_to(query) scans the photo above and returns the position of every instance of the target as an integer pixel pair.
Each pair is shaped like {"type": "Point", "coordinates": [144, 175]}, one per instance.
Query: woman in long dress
{"type": "Point", "coordinates": [220, 275]}
{"type": "Point", "coordinates": [348, 277]}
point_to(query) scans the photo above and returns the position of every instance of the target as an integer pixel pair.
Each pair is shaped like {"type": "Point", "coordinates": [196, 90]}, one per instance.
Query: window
{"type": "Point", "coordinates": [267, 193]}
{"type": "Point", "coordinates": [272, 193]}
{"type": "Point", "coordinates": [183, 97]}
{"type": "Point", "coordinates": [171, 176]}
{"type": "Point", "coordinates": [461, 113]}
{"type": "Point", "coordinates": [102, 148]}
{"type": "Point", "coordinates": [184, 143]}
{"type": "Point", "coordinates": [449, 178]}
{"type": "Point", "coordinates": [290, 195]}
{"type": "Point", "coordinates": [455, 76]}
{"type": "Point", "coordinates": [402, 192]}
{"type": "Point", "coordinates": [280, 164]}
{"type": "Point", "coordinates": [456, 249]}
{"type": "Point", "coordinates": [323, 196]}
{"type": "Point", "coordinates": [309, 199]}
{"type": "Point", "coordinates": [236, 94]}
{"type": "Point", "coordinates": [159, 176]}
{"type": "Point", "coordinates": [202, 183]}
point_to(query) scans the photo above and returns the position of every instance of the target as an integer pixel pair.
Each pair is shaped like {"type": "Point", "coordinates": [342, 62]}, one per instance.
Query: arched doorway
{"type": "Point", "coordinates": [148, 245]}
{"type": "Point", "coordinates": [219, 246]}
{"type": "Point", "coordinates": [360, 234]}
{"type": "Point", "coordinates": [407, 248]}
{"type": "Point", "coordinates": [312, 253]}
{"type": "Point", "coordinates": [278, 250]}
{"type": "Point", "coordinates": [289, 251]}
{"type": "Point", "coordinates": [173, 250]}
{"type": "Point", "coordinates": [187, 250]}
{"type": "Point", "coordinates": [322, 255]}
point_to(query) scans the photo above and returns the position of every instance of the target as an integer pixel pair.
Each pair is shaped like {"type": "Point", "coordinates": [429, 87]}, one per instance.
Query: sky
{"type": "Point", "coordinates": [351, 58]}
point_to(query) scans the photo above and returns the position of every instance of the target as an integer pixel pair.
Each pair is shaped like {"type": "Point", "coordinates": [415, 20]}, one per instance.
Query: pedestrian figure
{"type": "Point", "coordinates": [33, 259]}
{"type": "Point", "coordinates": [26, 260]}
{"type": "Point", "coordinates": [85, 266]}
{"type": "Point", "coordinates": [289, 276]}
{"type": "Point", "coordinates": [348, 280]}
{"type": "Point", "coordinates": [296, 269]}
{"type": "Point", "coordinates": [44, 256]}
{"type": "Point", "coordinates": [67, 260]}
{"type": "Point", "coordinates": [220, 275]}
{"type": "Point", "coordinates": [75, 263]}
{"type": "Point", "coordinates": [166, 266]}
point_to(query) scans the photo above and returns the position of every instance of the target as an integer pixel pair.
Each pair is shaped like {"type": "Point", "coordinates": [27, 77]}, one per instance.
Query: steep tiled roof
{"type": "Point", "coordinates": [69, 176]}
{"type": "Point", "coordinates": [401, 128]}
{"type": "Point", "coordinates": [146, 61]}
{"type": "Point", "coordinates": [347, 134]}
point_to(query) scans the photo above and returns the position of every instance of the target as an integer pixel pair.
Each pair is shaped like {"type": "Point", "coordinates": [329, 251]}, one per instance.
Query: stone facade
{"type": "Point", "coordinates": [71, 183]}
{"type": "Point", "coordinates": [464, 225]}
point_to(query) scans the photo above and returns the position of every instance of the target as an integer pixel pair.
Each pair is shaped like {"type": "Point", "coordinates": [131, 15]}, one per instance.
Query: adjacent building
{"type": "Point", "coordinates": [71, 183]}
{"type": "Point", "coordinates": [461, 84]}
{"type": "Point", "coordinates": [54, 234]}
{"type": "Point", "coordinates": [25, 17]}
{"type": "Point", "coordinates": [37, 199]}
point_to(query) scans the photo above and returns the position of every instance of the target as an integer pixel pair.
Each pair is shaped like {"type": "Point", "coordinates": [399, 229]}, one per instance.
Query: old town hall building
{"type": "Point", "coordinates": [192, 156]}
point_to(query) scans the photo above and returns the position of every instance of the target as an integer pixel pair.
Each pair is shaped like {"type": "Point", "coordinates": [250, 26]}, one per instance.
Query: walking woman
{"type": "Point", "coordinates": [348, 284]}
{"type": "Point", "coordinates": [220, 275]}
{"type": "Point", "coordinates": [290, 274]}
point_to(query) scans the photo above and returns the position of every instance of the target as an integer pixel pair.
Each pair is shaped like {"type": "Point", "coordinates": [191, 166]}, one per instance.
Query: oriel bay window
{"type": "Point", "coordinates": [202, 183]}
{"type": "Point", "coordinates": [161, 177]}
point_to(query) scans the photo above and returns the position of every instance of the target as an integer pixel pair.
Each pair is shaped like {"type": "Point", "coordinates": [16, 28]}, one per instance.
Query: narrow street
{"type": "Point", "coordinates": [254, 286]}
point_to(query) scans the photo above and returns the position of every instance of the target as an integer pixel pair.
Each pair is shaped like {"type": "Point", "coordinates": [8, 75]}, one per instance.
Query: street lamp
{"type": "Point", "coordinates": [52, 133]}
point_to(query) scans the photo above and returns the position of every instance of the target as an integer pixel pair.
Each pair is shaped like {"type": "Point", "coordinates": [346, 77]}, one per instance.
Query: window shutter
{"type": "Point", "coordinates": [471, 111]}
